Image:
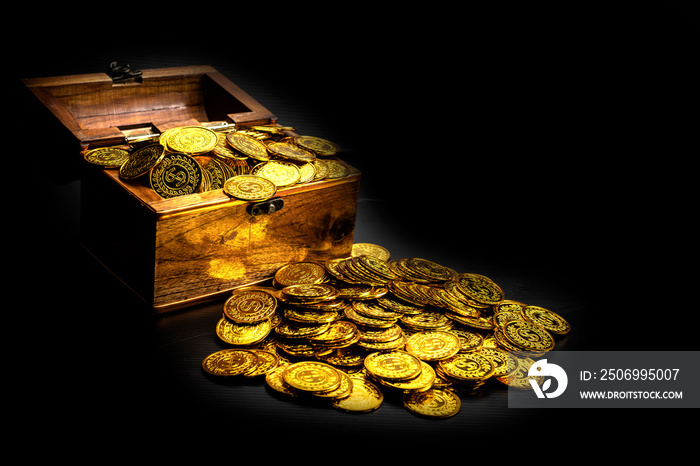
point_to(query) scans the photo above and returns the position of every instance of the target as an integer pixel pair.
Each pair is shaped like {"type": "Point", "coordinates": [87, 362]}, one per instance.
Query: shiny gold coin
{"type": "Point", "coordinates": [469, 341]}
{"type": "Point", "coordinates": [250, 188]}
{"type": "Point", "coordinates": [394, 365]}
{"type": "Point", "coordinates": [551, 321]}
{"type": "Point", "coordinates": [307, 172]}
{"type": "Point", "coordinates": [321, 169]}
{"type": "Point", "coordinates": [430, 270]}
{"type": "Point", "coordinates": [343, 390]}
{"type": "Point", "coordinates": [479, 288]}
{"type": "Point", "coordinates": [141, 161]}
{"type": "Point", "coordinates": [467, 367]}
{"type": "Point", "coordinates": [309, 293]}
{"type": "Point", "coordinates": [267, 361]}
{"type": "Point", "coordinates": [176, 175]}
{"type": "Point", "coordinates": [229, 362]}
{"type": "Point", "coordinates": [519, 378]}
{"type": "Point", "coordinates": [242, 334]}
{"type": "Point", "coordinates": [289, 151]}
{"type": "Point", "coordinates": [300, 273]}
{"type": "Point", "coordinates": [504, 363]}
{"type": "Point", "coordinates": [107, 157]}
{"type": "Point", "coordinates": [318, 146]}
{"type": "Point", "coordinates": [369, 249]}
{"type": "Point", "coordinates": [364, 397]}
{"type": "Point", "coordinates": [440, 403]}
{"type": "Point", "coordinates": [192, 140]}
{"type": "Point", "coordinates": [423, 382]}
{"type": "Point", "coordinates": [274, 380]}
{"type": "Point", "coordinates": [279, 172]}
{"type": "Point", "coordinates": [433, 345]}
{"type": "Point", "coordinates": [528, 336]}
{"type": "Point", "coordinates": [248, 146]}
{"type": "Point", "coordinates": [250, 306]}
{"type": "Point", "coordinates": [312, 376]}
{"type": "Point", "coordinates": [336, 169]}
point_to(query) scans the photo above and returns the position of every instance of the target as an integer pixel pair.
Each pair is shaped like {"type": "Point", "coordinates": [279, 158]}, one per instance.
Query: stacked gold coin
{"type": "Point", "coordinates": [190, 159]}
{"type": "Point", "coordinates": [406, 327]}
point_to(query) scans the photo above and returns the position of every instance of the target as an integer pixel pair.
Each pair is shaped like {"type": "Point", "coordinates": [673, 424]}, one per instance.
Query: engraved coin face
{"type": "Point", "coordinates": [429, 269]}
{"type": "Point", "coordinates": [289, 151]}
{"type": "Point", "coordinates": [528, 336]}
{"type": "Point", "coordinates": [480, 288]}
{"type": "Point", "coordinates": [300, 273]}
{"type": "Point", "coordinates": [250, 187]}
{"type": "Point", "coordinates": [141, 161]}
{"type": "Point", "coordinates": [230, 362]}
{"type": "Point", "coordinates": [364, 397]}
{"type": "Point", "coordinates": [435, 402]}
{"type": "Point", "coordinates": [393, 365]}
{"type": "Point", "coordinates": [248, 146]}
{"type": "Point", "coordinates": [311, 376]}
{"type": "Point", "coordinates": [318, 146]}
{"type": "Point", "coordinates": [551, 321]}
{"type": "Point", "coordinates": [468, 366]}
{"type": "Point", "coordinates": [242, 334]}
{"type": "Point", "coordinates": [192, 140]}
{"type": "Point", "coordinates": [433, 345]}
{"type": "Point", "coordinates": [176, 175]}
{"type": "Point", "coordinates": [336, 169]}
{"type": "Point", "coordinates": [279, 172]}
{"type": "Point", "coordinates": [107, 157]}
{"type": "Point", "coordinates": [250, 306]}
{"type": "Point", "coordinates": [368, 249]}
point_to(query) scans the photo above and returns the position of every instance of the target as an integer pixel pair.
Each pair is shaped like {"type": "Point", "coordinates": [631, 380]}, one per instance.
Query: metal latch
{"type": "Point", "coordinates": [123, 74]}
{"type": "Point", "coordinates": [266, 207]}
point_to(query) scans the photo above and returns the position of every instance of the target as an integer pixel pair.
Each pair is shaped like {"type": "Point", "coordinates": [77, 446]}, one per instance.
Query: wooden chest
{"type": "Point", "coordinates": [176, 251]}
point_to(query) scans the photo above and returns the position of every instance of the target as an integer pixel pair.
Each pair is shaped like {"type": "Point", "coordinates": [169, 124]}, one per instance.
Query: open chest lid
{"type": "Point", "coordinates": [100, 111]}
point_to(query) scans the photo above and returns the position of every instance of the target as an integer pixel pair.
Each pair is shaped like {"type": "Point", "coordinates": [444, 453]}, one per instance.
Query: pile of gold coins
{"type": "Point", "coordinates": [193, 159]}
{"type": "Point", "coordinates": [351, 329]}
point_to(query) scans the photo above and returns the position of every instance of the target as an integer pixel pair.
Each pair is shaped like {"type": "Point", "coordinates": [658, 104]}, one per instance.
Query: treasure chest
{"type": "Point", "coordinates": [174, 251]}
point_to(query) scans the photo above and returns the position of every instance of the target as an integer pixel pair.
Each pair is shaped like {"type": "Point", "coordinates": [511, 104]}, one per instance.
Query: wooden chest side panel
{"type": "Point", "coordinates": [215, 250]}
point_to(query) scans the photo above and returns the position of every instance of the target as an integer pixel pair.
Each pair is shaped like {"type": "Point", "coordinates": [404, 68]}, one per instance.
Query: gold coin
{"type": "Point", "coordinates": [176, 175]}
{"type": "Point", "coordinates": [364, 397]}
{"type": "Point", "coordinates": [230, 362]}
{"type": "Point", "coordinates": [289, 151]}
{"type": "Point", "coordinates": [342, 391]}
{"type": "Point", "coordinates": [479, 288]}
{"type": "Point", "coordinates": [267, 361]}
{"type": "Point", "coordinates": [435, 402]}
{"type": "Point", "coordinates": [469, 341]}
{"type": "Point", "coordinates": [394, 365]}
{"type": "Point", "coordinates": [467, 367]}
{"type": "Point", "coordinates": [336, 169]}
{"type": "Point", "coordinates": [250, 306]}
{"type": "Point", "coordinates": [423, 382]}
{"type": "Point", "coordinates": [430, 270]}
{"type": "Point", "coordinates": [520, 378]}
{"type": "Point", "coordinates": [141, 161]}
{"type": "Point", "coordinates": [321, 169]}
{"type": "Point", "coordinates": [248, 146]}
{"type": "Point", "coordinates": [318, 146]}
{"type": "Point", "coordinates": [528, 336]}
{"type": "Point", "coordinates": [312, 376]}
{"type": "Point", "coordinates": [551, 321]}
{"type": "Point", "coordinates": [107, 157]}
{"type": "Point", "coordinates": [250, 187]}
{"type": "Point", "coordinates": [274, 380]}
{"type": "Point", "coordinates": [279, 172]}
{"type": "Point", "coordinates": [192, 140]}
{"type": "Point", "coordinates": [242, 334]}
{"type": "Point", "coordinates": [504, 363]}
{"type": "Point", "coordinates": [368, 249]}
{"type": "Point", "coordinates": [307, 172]}
{"type": "Point", "coordinates": [433, 345]}
{"type": "Point", "coordinates": [300, 273]}
{"type": "Point", "coordinates": [309, 293]}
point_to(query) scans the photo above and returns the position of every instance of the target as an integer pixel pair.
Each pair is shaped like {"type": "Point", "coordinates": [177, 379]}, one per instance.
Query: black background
{"type": "Point", "coordinates": [547, 147]}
